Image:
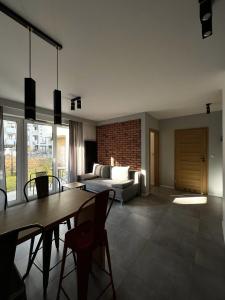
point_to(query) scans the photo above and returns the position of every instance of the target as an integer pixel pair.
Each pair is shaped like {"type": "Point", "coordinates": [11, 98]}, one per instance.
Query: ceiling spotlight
{"type": "Point", "coordinates": [207, 28]}
{"type": "Point", "coordinates": [205, 7]}
{"type": "Point", "coordinates": [205, 10]}
{"type": "Point", "coordinates": [72, 104]}
{"type": "Point", "coordinates": [78, 102]}
{"type": "Point", "coordinates": [208, 108]}
{"type": "Point", "coordinates": [74, 101]}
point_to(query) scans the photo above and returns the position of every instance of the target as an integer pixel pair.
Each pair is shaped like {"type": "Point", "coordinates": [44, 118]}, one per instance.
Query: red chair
{"type": "Point", "coordinates": [84, 239]}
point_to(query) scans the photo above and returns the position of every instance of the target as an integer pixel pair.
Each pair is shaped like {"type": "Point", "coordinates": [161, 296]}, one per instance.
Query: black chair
{"type": "Point", "coordinates": [11, 284]}
{"type": "Point", "coordinates": [42, 184]}
{"type": "Point", "coordinates": [3, 199]}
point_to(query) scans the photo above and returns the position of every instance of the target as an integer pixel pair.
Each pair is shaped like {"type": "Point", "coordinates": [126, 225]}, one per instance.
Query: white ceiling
{"type": "Point", "coordinates": [122, 57]}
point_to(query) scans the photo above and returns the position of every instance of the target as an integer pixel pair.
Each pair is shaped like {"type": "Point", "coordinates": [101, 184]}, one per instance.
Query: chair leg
{"type": "Point", "coordinates": [56, 236]}
{"type": "Point", "coordinates": [110, 267]}
{"type": "Point", "coordinates": [83, 269]}
{"type": "Point", "coordinates": [62, 271]}
{"type": "Point", "coordinates": [68, 224]}
{"type": "Point", "coordinates": [31, 248]}
{"type": "Point", "coordinates": [32, 255]}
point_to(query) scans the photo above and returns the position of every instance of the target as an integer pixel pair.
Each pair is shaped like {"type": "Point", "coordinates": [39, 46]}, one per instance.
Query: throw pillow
{"type": "Point", "coordinates": [94, 166]}
{"type": "Point", "coordinates": [119, 173]}
{"type": "Point", "coordinates": [98, 169]}
{"type": "Point", "coordinates": [105, 172]}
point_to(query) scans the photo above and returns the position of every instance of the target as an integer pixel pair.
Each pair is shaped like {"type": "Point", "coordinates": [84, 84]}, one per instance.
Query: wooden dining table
{"type": "Point", "coordinates": [48, 212]}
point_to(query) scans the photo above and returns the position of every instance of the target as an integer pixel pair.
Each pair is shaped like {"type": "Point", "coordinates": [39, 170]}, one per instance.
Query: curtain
{"type": "Point", "coordinates": [2, 159]}
{"type": "Point", "coordinates": [76, 150]}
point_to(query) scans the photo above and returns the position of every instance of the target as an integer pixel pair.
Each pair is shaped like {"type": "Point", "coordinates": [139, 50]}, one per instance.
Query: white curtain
{"type": "Point", "coordinates": [76, 151]}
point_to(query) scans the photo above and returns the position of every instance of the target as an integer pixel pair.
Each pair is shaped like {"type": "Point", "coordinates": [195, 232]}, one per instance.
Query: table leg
{"type": "Point", "coordinates": [47, 247]}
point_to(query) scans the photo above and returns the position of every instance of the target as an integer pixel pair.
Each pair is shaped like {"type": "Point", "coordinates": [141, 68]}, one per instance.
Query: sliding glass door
{"type": "Point", "coordinates": [32, 149]}
{"type": "Point", "coordinates": [47, 152]}
{"type": "Point", "coordinates": [62, 153]}
{"type": "Point", "coordinates": [13, 154]}
{"type": "Point", "coordinates": [10, 146]}
{"type": "Point", "coordinates": [39, 149]}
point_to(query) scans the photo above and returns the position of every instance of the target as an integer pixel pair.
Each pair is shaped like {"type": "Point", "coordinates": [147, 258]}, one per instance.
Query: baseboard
{"type": "Point", "coordinates": [145, 194]}
{"type": "Point", "coordinates": [216, 195]}
{"type": "Point", "coordinates": [167, 186]}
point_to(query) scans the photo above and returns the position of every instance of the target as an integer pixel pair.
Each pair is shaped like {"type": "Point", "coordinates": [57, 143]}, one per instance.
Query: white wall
{"type": "Point", "coordinates": [150, 123]}
{"type": "Point", "coordinates": [167, 144]}
{"type": "Point", "coordinates": [89, 131]}
{"type": "Point", "coordinates": [223, 116]}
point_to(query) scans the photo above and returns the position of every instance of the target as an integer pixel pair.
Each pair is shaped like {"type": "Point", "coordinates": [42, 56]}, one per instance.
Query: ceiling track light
{"type": "Point", "coordinates": [57, 97]}
{"type": "Point", "coordinates": [29, 87]}
{"type": "Point", "coordinates": [207, 29]}
{"type": "Point", "coordinates": [78, 102]}
{"type": "Point", "coordinates": [208, 108]}
{"type": "Point", "coordinates": [74, 101]}
{"type": "Point", "coordinates": [72, 104]}
{"type": "Point", "coordinates": [30, 91]}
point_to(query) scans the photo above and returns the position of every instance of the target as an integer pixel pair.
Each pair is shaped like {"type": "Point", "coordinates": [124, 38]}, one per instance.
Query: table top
{"type": "Point", "coordinates": [73, 185]}
{"type": "Point", "coordinates": [47, 211]}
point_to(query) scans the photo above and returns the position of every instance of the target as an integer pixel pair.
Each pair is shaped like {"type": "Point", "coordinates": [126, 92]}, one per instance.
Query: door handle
{"type": "Point", "coordinates": [203, 159]}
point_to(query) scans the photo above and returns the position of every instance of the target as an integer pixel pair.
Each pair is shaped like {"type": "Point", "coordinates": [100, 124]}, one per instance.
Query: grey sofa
{"type": "Point", "coordinates": [101, 179]}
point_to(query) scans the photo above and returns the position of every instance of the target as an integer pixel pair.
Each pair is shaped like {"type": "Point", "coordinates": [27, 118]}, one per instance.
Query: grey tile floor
{"type": "Point", "coordinates": [159, 250]}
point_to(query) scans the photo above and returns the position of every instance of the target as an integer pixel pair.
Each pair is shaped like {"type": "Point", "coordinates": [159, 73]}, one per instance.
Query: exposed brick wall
{"type": "Point", "coordinates": [119, 144]}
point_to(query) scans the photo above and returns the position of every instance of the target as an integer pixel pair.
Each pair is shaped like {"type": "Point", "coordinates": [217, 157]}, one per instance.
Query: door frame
{"type": "Point", "coordinates": [156, 157]}
{"type": "Point", "coordinates": [204, 184]}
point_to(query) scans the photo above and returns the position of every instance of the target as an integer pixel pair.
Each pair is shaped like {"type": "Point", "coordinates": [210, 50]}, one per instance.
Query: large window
{"type": "Point", "coordinates": [10, 145]}
{"type": "Point", "coordinates": [33, 149]}
{"type": "Point", "coordinates": [39, 149]}
{"type": "Point", "coordinates": [62, 153]}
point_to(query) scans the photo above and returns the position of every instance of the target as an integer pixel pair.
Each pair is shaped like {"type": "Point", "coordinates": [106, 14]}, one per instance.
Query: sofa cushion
{"type": "Point", "coordinates": [122, 184]}
{"type": "Point", "coordinates": [105, 171]}
{"type": "Point", "coordinates": [87, 176]}
{"type": "Point", "coordinates": [119, 173]}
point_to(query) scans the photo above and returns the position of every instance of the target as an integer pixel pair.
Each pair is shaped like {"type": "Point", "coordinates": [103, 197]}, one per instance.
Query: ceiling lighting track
{"type": "Point", "coordinates": [10, 13]}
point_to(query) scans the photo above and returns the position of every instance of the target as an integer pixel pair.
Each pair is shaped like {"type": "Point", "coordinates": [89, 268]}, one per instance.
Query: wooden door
{"type": "Point", "coordinates": [191, 160]}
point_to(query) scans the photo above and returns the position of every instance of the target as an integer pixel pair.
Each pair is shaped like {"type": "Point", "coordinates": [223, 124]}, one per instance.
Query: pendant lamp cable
{"type": "Point", "coordinates": [57, 67]}
{"type": "Point", "coordinates": [30, 52]}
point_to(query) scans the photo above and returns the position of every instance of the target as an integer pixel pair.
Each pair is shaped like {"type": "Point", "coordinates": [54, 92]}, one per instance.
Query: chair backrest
{"type": "Point", "coordinates": [40, 173]}
{"type": "Point", "coordinates": [8, 242]}
{"type": "Point", "coordinates": [3, 199]}
{"type": "Point", "coordinates": [102, 204]}
{"type": "Point", "coordinates": [42, 184]}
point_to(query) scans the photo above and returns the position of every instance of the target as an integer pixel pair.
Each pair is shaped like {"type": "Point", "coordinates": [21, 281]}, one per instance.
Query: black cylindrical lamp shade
{"type": "Point", "coordinates": [207, 28]}
{"type": "Point", "coordinates": [72, 104]}
{"type": "Point", "coordinates": [30, 99]}
{"type": "Point", "coordinates": [57, 107]}
{"type": "Point", "coordinates": [79, 103]}
{"type": "Point", "coordinates": [205, 10]}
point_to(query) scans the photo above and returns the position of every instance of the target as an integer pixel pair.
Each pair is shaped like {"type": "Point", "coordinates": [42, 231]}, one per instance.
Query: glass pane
{"type": "Point", "coordinates": [10, 142]}
{"type": "Point", "coordinates": [62, 155]}
{"type": "Point", "coordinates": [40, 152]}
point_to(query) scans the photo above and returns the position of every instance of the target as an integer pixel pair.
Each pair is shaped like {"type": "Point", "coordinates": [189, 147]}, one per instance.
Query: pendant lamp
{"type": "Point", "coordinates": [29, 91]}
{"type": "Point", "coordinates": [57, 98]}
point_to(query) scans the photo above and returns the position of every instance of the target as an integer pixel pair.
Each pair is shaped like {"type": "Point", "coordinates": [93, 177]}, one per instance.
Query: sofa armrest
{"type": "Point", "coordinates": [123, 184]}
